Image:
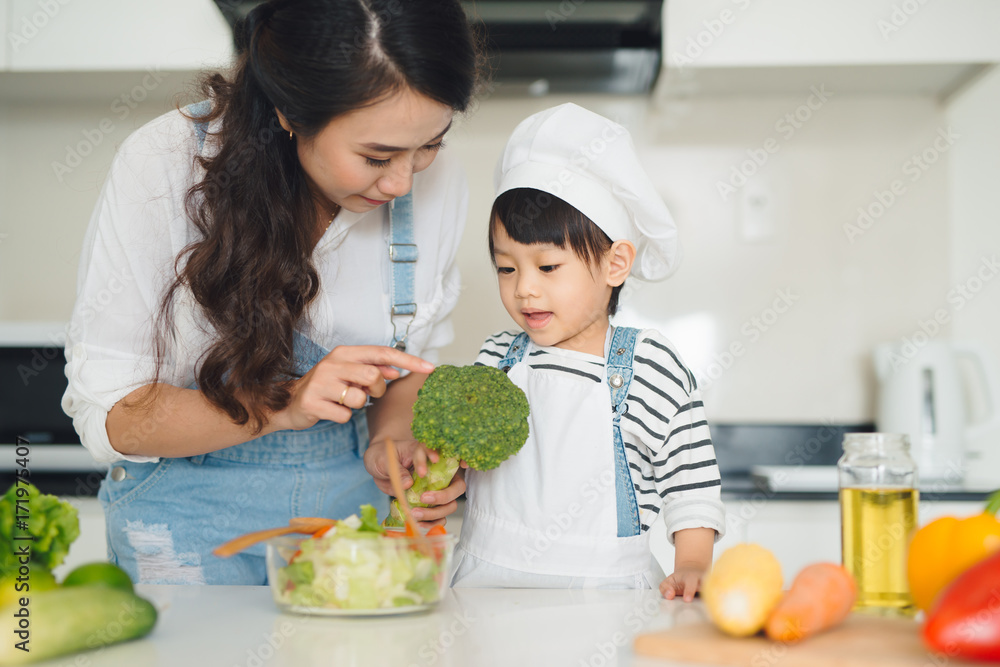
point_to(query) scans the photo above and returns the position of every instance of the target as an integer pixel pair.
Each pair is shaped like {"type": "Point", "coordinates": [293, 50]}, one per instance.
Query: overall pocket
{"type": "Point", "coordinates": [128, 481]}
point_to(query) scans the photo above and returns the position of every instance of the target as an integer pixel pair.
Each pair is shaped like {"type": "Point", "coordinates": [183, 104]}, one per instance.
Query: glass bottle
{"type": "Point", "coordinates": [878, 514]}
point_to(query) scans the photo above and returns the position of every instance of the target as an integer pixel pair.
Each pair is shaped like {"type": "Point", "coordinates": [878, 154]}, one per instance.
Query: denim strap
{"type": "Point", "coordinates": [514, 353]}
{"type": "Point", "coordinates": [403, 255]}
{"type": "Point", "coordinates": [306, 352]}
{"type": "Point", "coordinates": [619, 375]}
{"type": "Point", "coordinates": [199, 110]}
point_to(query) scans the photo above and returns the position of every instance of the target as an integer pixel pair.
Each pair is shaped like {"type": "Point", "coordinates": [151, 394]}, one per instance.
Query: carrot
{"type": "Point", "coordinates": [319, 532]}
{"type": "Point", "coordinates": [436, 530]}
{"type": "Point", "coordinates": [820, 598]}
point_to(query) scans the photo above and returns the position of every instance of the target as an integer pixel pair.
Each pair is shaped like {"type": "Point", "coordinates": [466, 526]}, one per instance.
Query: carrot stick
{"type": "Point", "coordinates": [420, 542]}
{"type": "Point", "coordinates": [820, 598]}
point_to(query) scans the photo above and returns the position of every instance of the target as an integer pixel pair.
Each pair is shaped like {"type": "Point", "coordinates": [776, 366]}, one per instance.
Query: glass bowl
{"type": "Point", "coordinates": [375, 575]}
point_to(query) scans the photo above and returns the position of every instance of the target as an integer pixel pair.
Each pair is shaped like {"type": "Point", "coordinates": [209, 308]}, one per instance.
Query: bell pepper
{"type": "Point", "coordinates": [965, 620]}
{"type": "Point", "coordinates": [946, 547]}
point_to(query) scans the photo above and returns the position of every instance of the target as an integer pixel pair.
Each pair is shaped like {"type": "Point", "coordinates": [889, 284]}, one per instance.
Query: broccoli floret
{"type": "Point", "coordinates": [465, 413]}
{"type": "Point", "coordinates": [472, 413]}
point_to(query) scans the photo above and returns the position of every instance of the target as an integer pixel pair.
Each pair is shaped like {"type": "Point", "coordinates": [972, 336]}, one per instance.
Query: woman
{"type": "Point", "coordinates": [248, 265]}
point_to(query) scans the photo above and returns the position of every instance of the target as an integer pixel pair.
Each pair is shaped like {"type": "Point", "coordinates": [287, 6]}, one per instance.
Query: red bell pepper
{"type": "Point", "coordinates": [965, 619]}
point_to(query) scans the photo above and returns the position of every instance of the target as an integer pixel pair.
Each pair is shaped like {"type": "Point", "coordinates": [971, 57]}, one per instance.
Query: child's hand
{"type": "Point", "coordinates": [686, 580]}
{"type": "Point", "coordinates": [692, 558]}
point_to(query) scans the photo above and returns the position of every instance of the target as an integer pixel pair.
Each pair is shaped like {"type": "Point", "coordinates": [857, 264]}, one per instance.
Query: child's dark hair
{"type": "Point", "coordinates": [531, 216]}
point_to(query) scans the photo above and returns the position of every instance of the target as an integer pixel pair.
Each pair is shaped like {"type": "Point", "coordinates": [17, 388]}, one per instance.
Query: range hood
{"type": "Point", "coordinates": [559, 46]}
{"type": "Point", "coordinates": [570, 46]}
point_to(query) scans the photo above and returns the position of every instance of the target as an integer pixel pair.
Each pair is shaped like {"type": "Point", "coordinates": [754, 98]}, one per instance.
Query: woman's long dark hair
{"type": "Point", "coordinates": [251, 271]}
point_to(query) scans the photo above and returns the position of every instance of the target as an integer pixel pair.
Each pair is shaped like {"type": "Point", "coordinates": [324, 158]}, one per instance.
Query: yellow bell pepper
{"type": "Point", "coordinates": [946, 547]}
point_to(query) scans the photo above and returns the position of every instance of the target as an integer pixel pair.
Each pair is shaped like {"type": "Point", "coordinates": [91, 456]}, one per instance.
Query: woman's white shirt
{"type": "Point", "coordinates": [140, 226]}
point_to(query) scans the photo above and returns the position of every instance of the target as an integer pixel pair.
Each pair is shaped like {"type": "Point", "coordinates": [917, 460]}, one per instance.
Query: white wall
{"type": "Point", "coordinates": [59, 133]}
{"type": "Point", "coordinates": [813, 362]}
{"type": "Point", "coordinates": [974, 212]}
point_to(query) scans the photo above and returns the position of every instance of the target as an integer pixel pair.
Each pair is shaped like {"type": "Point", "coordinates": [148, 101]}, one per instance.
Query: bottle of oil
{"type": "Point", "coordinates": [878, 514]}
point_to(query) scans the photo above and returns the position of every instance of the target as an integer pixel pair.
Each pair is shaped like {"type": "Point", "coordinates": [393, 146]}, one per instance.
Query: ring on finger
{"type": "Point", "coordinates": [343, 395]}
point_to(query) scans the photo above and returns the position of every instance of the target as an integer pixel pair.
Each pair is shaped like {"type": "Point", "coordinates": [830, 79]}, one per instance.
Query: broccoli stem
{"type": "Point", "coordinates": [439, 476]}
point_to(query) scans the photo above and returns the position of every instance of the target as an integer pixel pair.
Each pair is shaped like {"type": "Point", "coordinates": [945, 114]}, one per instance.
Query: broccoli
{"type": "Point", "coordinates": [465, 413]}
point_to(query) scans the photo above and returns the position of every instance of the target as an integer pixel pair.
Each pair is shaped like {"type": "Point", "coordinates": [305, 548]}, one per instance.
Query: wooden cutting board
{"type": "Point", "coordinates": [861, 641]}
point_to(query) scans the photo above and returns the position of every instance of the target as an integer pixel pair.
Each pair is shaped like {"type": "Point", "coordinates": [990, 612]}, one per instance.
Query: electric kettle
{"type": "Point", "coordinates": [922, 394]}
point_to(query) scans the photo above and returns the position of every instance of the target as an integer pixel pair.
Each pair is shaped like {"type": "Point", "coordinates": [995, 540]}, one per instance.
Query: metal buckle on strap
{"type": "Point", "coordinates": [398, 310]}
{"type": "Point", "coordinates": [403, 252]}
{"type": "Point", "coordinates": [404, 309]}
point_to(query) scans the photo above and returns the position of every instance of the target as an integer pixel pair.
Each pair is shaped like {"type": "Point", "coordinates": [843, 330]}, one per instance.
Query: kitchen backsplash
{"type": "Point", "coordinates": [814, 226]}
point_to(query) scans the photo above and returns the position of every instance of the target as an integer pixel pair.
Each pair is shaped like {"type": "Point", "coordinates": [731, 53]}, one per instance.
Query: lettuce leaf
{"type": "Point", "coordinates": [369, 520]}
{"type": "Point", "coordinates": [300, 572]}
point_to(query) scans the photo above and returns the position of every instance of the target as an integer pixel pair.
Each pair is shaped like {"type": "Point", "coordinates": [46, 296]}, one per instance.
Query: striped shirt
{"type": "Point", "coordinates": [667, 441]}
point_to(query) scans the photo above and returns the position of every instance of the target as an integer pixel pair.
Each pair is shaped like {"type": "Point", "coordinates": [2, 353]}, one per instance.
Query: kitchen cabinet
{"type": "Point", "coordinates": [798, 532]}
{"type": "Point", "coordinates": [915, 46]}
{"type": "Point", "coordinates": [115, 35]}
{"type": "Point", "coordinates": [804, 532]}
{"type": "Point", "coordinates": [736, 532]}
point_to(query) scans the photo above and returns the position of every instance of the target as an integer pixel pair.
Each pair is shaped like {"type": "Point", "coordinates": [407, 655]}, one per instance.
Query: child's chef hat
{"type": "Point", "coordinates": [589, 162]}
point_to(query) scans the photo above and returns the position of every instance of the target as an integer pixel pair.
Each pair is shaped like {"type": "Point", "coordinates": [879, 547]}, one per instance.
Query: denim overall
{"type": "Point", "coordinates": [562, 513]}
{"type": "Point", "coordinates": [164, 518]}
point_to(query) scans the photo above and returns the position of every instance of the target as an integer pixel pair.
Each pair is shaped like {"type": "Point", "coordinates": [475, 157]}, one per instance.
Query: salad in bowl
{"type": "Point", "coordinates": [357, 567]}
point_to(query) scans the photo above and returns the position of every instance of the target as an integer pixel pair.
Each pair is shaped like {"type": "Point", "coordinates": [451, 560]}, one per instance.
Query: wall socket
{"type": "Point", "coordinates": [755, 216]}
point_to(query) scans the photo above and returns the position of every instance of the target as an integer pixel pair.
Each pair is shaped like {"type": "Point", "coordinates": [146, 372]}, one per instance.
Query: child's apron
{"type": "Point", "coordinates": [565, 505]}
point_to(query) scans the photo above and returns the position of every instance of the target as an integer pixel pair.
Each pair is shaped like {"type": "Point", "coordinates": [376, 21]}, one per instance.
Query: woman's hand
{"type": "Point", "coordinates": [343, 380]}
{"type": "Point", "coordinates": [413, 456]}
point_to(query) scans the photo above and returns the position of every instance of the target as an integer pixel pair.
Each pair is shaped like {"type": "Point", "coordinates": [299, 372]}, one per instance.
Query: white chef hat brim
{"type": "Point", "coordinates": [609, 185]}
{"type": "Point", "coordinates": [579, 191]}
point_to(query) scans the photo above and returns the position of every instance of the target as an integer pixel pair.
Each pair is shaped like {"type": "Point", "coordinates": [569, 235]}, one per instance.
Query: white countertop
{"type": "Point", "coordinates": [229, 626]}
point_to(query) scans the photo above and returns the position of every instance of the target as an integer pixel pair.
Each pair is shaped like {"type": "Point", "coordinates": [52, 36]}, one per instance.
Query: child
{"type": "Point", "coordinates": [617, 427]}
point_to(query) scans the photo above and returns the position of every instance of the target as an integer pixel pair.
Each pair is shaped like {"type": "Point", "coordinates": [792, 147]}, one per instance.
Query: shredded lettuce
{"type": "Point", "coordinates": [369, 520]}
{"type": "Point", "coordinates": [300, 572]}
